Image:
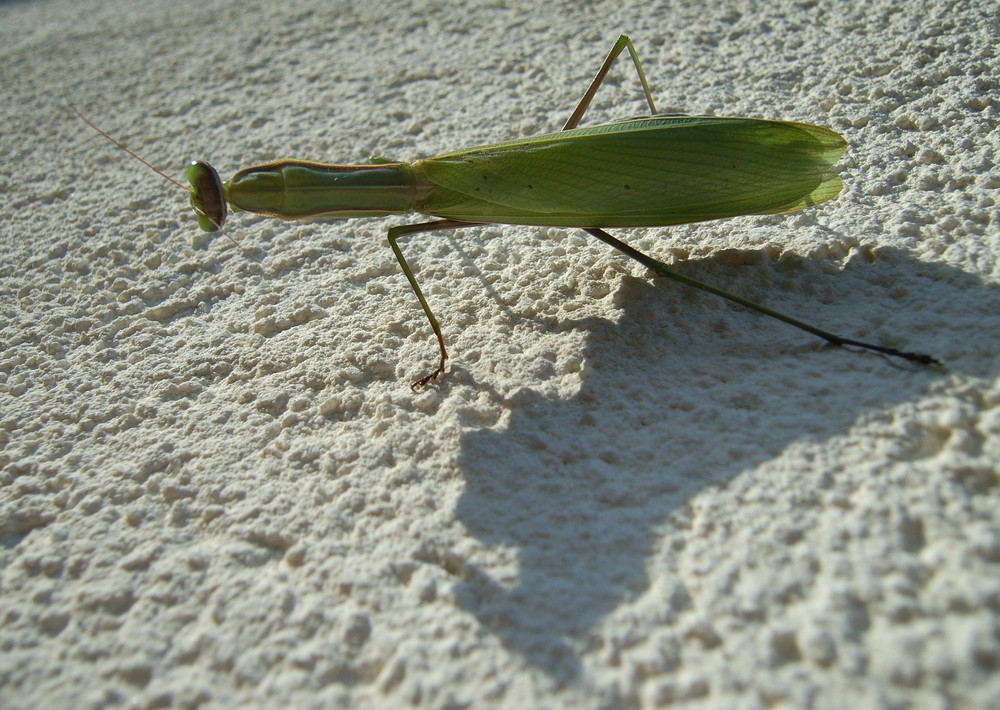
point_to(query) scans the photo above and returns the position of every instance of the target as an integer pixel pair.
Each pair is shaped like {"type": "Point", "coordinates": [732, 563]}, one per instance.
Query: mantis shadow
{"type": "Point", "coordinates": [686, 392]}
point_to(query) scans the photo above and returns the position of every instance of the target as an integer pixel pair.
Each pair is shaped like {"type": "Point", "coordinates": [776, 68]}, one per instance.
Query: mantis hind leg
{"type": "Point", "coordinates": [620, 45]}
{"type": "Point", "coordinates": [658, 267]}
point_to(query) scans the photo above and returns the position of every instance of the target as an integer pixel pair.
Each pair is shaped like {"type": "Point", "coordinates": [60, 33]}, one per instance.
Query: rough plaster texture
{"type": "Point", "coordinates": [218, 491]}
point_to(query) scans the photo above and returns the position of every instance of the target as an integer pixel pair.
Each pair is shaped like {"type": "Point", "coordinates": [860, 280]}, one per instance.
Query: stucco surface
{"type": "Point", "coordinates": [217, 489]}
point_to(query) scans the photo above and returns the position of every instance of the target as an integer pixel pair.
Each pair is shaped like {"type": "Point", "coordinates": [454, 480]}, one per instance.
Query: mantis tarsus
{"type": "Point", "coordinates": [650, 171]}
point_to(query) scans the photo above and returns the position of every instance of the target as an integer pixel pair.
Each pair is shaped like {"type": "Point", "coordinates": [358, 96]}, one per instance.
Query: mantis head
{"type": "Point", "coordinates": [208, 195]}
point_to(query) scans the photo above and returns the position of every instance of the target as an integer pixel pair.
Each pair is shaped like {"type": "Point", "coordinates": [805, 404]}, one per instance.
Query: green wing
{"type": "Point", "coordinates": [642, 172]}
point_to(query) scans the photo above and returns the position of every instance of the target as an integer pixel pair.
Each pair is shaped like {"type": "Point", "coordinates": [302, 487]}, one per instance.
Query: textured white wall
{"type": "Point", "coordinates": [217, 489]}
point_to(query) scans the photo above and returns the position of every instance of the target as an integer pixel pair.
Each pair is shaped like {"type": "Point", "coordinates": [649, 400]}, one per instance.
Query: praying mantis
{"type": "Point", "coordinates": [651, 171]}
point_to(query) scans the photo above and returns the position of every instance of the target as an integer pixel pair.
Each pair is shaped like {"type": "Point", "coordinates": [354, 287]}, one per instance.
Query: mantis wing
{"type": "Point", "coordinates": [651, 171]}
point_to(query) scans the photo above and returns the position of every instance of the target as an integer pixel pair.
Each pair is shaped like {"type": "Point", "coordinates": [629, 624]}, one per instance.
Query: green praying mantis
{"type": "Point", "coordinates": [651, 171]}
